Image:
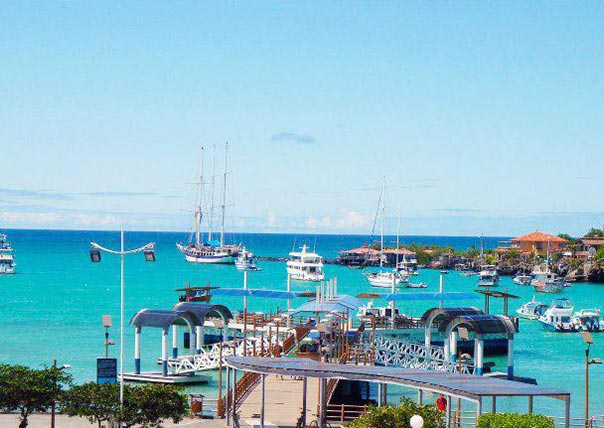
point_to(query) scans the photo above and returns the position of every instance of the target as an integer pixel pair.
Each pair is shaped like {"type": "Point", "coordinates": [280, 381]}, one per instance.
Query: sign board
{"type": "Point", "coordinates": [106, 370]}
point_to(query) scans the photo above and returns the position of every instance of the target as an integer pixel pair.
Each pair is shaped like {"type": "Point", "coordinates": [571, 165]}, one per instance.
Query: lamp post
{"type": "Point", "coordinates": [588, 339]}
{"type": "Point", "coordinates": [52, 409]}
{"type": "Point", "coordinates": [95, 257]}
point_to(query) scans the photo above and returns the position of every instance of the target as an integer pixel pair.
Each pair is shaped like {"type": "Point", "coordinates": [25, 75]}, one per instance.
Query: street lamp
{"type": "Point", "coordinates": [95, 257]}
{"type": "Point", "coordinates": [589, 340]}
{"type": "Point", "coordinates": [107, 324]}
{"type": "Point", "coordinates": [52, 409]}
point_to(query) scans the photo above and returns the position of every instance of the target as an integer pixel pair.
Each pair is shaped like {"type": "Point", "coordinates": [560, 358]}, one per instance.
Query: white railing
{"type": "Point", "coordinates": [209, 358]}
{"type": "Point", "coordinates": [412, 355]}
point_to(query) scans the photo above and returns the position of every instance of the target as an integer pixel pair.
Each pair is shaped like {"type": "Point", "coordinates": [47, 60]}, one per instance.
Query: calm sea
{"type": "Point", "coordinates": [52, 307]}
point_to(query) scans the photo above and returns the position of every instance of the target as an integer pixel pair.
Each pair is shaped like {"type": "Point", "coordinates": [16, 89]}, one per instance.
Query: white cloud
{"type": "Point", "coordinates": [271, 219]}
{"type": "Point", "coordinates": [19, 218]}
{"type": "Point", "coordinates": [349, 219]}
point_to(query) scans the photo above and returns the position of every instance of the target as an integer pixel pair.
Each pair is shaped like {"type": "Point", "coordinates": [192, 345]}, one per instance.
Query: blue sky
{"type": "Point", "coordinates": [486, 117]}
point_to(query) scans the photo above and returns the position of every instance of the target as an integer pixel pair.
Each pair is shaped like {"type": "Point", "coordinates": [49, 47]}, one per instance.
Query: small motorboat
{"type": "Point", "coordinates": [532, 310]}
{"type": "Point", "coordinates": [548, 282]}
{"type": "Point", "coordinates": [588, 320]}
{"type": "Point", "coordinates": [522, 279]}
{"type": "Point", "coordinates": [246, 261]}
{"type": "Point", "coordinates": [417, 285]}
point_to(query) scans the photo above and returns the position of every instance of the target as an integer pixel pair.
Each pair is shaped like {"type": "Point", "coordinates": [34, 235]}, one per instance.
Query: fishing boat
{"type": "Point", "coordinates": [588, 320]}
{"type": "Point", "coordinates": [209, 251]}
{"type": "Point", "coordinates": [532, 310]}
{"type": "Point", "coordinates": [488, 276]}
{"type": "Point", "coordinates": [305, 266]}
{"type": "Point", "coordinates": [558, 317]}
{"type": "Point", "coordinates": [246, 261]}
{"type": "Point", "coordinates": [7, 258]}
{"type": "Point", "coordinates": [522, 279]}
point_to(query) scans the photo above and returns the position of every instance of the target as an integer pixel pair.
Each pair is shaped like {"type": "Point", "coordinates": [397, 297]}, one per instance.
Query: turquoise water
{"type": "Point", "coordinates": [52, 307]}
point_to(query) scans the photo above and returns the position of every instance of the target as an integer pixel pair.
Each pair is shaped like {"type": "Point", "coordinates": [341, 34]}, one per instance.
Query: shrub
{"type": "Point", "coordinates": [399, 416]}
{"type": "Point", "coordinates": [25, 390]}
{"type": "Point", "coordinates": [514, 420]}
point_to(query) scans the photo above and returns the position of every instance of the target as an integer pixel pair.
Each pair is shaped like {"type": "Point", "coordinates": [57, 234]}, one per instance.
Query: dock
{"type": "Point", "coordinates": [158, 377]}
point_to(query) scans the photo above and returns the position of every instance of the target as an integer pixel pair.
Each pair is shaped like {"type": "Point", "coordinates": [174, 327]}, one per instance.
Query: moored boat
{"type": "Point", "coordinates": [522, 279]}
{"type": "Point", "coordinates": [385, 278]}
{"type": "Point", "coordinates": [7, 258]}
{"type": "Point", "coordinates": [588, 320]}
{"type": "Point", "coordinates": [532, 310]}
{"type": "Point", "coordinates": [209, 251]}
{"type": "Point", "coordinates": [305, 266]}
{"type": "Point", "coordinates": [246, 261]}
{"type": "Point", "coordinates": [488, 276]}
{"type": "Point", "coordinates": [548, 282]}
{"type": "Point", "coordinates": [558, 317]}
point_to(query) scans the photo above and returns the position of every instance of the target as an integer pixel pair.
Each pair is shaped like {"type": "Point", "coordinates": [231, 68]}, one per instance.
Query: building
{"type": "Point", "coordinates": [591, 244]}
{"type": "Point", "coordinates": [537, 243]}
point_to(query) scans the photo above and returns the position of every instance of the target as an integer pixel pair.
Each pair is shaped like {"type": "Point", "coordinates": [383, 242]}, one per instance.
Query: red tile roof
{"type": "Point", "coordinates": [539, 237]}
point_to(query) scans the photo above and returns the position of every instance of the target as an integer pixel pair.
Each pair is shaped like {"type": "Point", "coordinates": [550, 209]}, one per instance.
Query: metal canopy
{"type": "Point", "coordinates": [497, 294]}
{"type": "Point", "coordinates": [464, 386]}
{"type": "Point", "coordinates": [261, 292]}
{"type": "Point", "coordinates": [161, 318]}
{"type": "Point", "coordinates": [202, 310]}
{"type": "Point", "coordinates": [449, 313]}
{"type": "Point", "coordinates": [483, 324]}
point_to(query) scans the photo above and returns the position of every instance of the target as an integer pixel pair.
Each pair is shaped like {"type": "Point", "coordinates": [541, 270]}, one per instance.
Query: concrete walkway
{"type": "Point", "coordinates": [43, 421]}
{"type": "Point", "coordinates": [283, 398]}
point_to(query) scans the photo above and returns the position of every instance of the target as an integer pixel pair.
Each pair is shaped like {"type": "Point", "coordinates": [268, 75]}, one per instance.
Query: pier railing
{"type": "Point", "coordinates": [391, 352]}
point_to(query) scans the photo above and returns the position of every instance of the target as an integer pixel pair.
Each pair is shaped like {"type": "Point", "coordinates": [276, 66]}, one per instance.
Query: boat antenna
{"type": "Point", "coordinates": [224, 187]}
{"type": "Point", "coordinates": [314, 249]}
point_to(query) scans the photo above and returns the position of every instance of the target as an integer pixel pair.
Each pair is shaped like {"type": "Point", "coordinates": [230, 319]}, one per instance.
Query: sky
{"type": "Point", "coordinates": [485, 117]}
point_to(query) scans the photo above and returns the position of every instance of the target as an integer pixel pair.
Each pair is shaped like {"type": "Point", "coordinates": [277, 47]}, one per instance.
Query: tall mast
{"type": "Point", "coordinates": [224, 187]}
{"type": "Point", "coordinates": [383, 209]}
{"type": "Point", "coordinates": [547, 257]}
{"type": "Point", "coordinates": [211, 210]}
{"type": "Point", "coordinates": [398, 230]}
{"type": "Point", "coordinates": [199, 214]}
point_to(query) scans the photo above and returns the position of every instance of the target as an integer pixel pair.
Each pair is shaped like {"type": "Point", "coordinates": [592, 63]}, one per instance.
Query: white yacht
{"type": "Point", "coordinates": [211, 250]}
{"type": "Point", "coordinates": [488, 276]}
{"type": "Point", "coordinates": [547, 282]}
{"type": "Point", "coordinates": [588, 320]}
{"type": "Point", "coordinates": [367, 312]}
{"type": "Point", "coordinates": [558, 317]}
{"type": "Point", "coordinates": [7, 259]}
{"type": "Point", "coordinates": [386, 278]}
{"type": "Point", "coordinates": [532, 310]}
{"type": "Point", "coordinates": [408, 265]}
{"type": "Point", "coordinates": [305, 266]}
{"type": "Point", "coordinates": [246, 261]}
{"type": "Point", "coordinates": [522, 279]}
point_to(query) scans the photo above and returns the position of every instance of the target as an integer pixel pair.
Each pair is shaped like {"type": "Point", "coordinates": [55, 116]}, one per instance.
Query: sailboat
{"type": "Point", "coordinates": [547, 281]}
{"type": "Point", "coordinates": [210, 251]}
{"type": "Point", "coordinates": [7, 259]}
{"type": "Point", "coordinates": [385, 278]}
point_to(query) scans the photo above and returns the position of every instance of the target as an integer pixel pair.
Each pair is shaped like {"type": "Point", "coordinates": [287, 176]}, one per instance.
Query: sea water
{"type": "Point", "coordinates": [51, 308]}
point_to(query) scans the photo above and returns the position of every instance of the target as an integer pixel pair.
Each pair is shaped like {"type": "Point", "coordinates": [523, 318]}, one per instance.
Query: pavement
{"type": "Point", "coordinates": [62, 421]}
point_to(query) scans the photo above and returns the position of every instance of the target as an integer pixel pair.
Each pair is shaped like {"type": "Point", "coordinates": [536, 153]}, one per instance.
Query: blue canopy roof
{"type": "Point", "coordinates": [432, 296]}
{"type": "Point", "coordinates": [267, 294]}
{"type": "Point", "coordinates": [231, 292]}
{"type": "Point", "coordinates": [341, 303]}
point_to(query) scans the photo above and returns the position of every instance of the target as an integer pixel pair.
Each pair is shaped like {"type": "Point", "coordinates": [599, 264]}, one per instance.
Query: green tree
{"type": "Point", "coordinates": [399, 416]}
{"type": "Point", "coordinates": [593, 232]}
{"type": "Point", "coordinates": [145, 406]}
{"type": "Point", "coordinates": [26, 390]}
{"type": "Point", "coordinates": [97, 403]}
{"type": "Point", "coordinates": [151, 404]}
